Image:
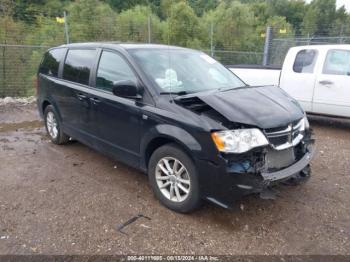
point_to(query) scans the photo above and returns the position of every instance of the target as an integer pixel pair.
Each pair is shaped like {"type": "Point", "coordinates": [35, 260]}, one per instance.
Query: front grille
{"type": "Point", "coordinates": [278, 140]}
{"type": "Point", "coordinates": [284, 137]}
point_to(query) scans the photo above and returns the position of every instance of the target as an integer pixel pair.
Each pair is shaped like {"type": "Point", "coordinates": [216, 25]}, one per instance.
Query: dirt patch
{"type": "Point", "coordinates": [72, 200]}
{"type": "Point", "coordinates": [6, 127]}
{"type": "Point", "coordinates": [16, 113]}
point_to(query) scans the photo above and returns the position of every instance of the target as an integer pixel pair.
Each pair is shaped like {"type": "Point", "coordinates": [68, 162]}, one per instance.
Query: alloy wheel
{"type": "Point", "coordinates": [51, 124]}
{"type": "Point", "coordinates": [173, 179]}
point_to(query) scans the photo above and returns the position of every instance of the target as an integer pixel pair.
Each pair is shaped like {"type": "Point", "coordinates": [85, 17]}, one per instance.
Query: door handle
{"type": "Point", "coordinates": [95, 100]}
{"type": "Point", "coordinates": [326, 82]}
{"type": "Point", "coordinates": [81, 97]}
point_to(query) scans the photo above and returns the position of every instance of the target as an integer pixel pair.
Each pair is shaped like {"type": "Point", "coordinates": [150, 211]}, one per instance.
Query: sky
{"type": "Point", "coordinates": [344, 2]}
{"type": "Point", "coordinates": [340, 3]}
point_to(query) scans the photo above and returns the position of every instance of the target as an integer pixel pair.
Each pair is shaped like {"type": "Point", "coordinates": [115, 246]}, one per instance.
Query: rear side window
{"type": "Point", "coordinates": [51, 62]}
{"type": "Point", "coordinates": [112, 68]}
{"type": "Point", "coordinates": [337, 63]}
{"type": "Point", "coordinates": [305, 61]}
{"type": "Point", "coordinates": [78, 64]}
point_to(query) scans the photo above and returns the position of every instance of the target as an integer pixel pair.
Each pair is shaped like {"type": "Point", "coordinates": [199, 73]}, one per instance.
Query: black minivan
{"type": "Point", "coordinates": [178, 115]}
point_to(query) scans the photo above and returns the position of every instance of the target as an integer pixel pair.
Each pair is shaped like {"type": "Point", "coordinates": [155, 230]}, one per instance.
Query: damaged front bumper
{"type": "Point", "coordinates": [289, 171]}
{"type": "Point", "coordinates": [222, 184]}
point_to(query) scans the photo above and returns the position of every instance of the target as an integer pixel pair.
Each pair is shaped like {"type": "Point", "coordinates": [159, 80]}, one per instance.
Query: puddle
{"type": "Point", "coordinates": [22, 125]}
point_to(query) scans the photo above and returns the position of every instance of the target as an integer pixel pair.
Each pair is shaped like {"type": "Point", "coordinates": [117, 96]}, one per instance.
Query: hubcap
{"type": "Point", "coordinates": [173, 179]}
{"type": "Point", "coordinates": [51, 125]}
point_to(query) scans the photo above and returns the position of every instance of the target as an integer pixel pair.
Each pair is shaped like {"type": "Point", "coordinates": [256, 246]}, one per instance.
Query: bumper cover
{"type": "Point", "coordinates": [223, 188]}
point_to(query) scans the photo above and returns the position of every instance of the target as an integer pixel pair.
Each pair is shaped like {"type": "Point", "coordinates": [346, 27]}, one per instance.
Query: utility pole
{"type": "Point", "coordinates": [211, 39]}
{"type": "Point", "coordinates": [149, 29]}
{"type": "Point", "coordinates": [268, 36]}
{"type": "Point", "coordinates": [66, 26]}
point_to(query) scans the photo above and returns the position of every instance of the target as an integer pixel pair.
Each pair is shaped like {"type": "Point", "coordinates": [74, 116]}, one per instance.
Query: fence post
{"type": "Point", "coordinates": [66, 26]}
{"type": "Point", "coordinates": [268, 37]}
{"type": "Point", "coordinates": [3, 87]}
{"type": "Point", "coordinates": [211, 39]}
{"type": "Point", "coordinates": [149, 29]}
{"type": "Point", "coordinates": [341, 34]}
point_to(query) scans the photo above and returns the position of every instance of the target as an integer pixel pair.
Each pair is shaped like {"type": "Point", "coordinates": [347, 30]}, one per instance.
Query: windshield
{"type": "Point", "coordinates": [185, 71]}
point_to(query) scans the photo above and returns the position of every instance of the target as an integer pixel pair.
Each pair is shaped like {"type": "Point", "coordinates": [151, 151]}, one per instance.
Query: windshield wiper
{"type": "Point", "coordinates": [180, 93]}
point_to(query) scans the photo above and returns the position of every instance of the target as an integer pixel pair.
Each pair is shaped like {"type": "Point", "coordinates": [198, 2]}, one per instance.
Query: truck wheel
{"type": "Point", "coordinates": [173, 178]}
{"type": "Point", "coordinates": [53, 126]}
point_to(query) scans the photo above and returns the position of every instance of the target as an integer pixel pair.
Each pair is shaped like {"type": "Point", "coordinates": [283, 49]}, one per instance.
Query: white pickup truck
{"type": "Point", "coordinates": [318, 76]}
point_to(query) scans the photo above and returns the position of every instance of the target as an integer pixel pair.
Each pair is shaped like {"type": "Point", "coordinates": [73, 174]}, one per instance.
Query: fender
{"type": "Point", "coordinates": [52, 102]}
{"type": "Point", "coordinates": [174, 133]}
{"type": "Point", "coordinates": [46, 95]}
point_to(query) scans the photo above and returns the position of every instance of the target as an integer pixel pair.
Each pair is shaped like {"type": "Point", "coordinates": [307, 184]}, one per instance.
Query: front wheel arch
{"type": "Point", "coordinates": [164, 134]}
{"type": "Point", "coordinates": [160, 141]}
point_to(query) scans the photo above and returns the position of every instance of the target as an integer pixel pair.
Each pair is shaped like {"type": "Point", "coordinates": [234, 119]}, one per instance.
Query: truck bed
{"type": "Point", "coordinates": [256, 75]}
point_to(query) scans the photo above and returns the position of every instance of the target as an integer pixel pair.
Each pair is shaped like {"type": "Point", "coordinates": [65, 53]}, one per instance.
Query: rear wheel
{"type": "Point", "coordinates": [53, 126]}
{"type": "Point", "coordinates": [172, 175]}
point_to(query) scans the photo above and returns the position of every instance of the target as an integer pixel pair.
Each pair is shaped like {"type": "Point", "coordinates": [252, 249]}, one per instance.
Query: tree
{"type": "Point", "coordinates": [319, 18]}
{"type": "Point", "coordinates": [91, 20]}
{"type": "Point", "coordinates": [132, 25]}
{"type": "Point", "coordinates": [201, 6]}
{"type": "Point", "coordinates": [233, 26]}
{"type": "Point", "coordinates": [292, 10]}
{"type": "Point", "coordinates": [12, 59]}
{"type": "Point", "coordinates": [182, 26]}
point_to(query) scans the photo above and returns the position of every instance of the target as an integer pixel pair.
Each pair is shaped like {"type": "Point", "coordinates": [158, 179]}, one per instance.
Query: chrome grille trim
{"type": "Point", "coordinates": [293, 135]}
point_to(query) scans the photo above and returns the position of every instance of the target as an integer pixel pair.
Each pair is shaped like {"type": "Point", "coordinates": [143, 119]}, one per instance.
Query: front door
{"type": "Point", "coordinates": [332, 88]}
{"type": "Point", "coordinates": [117, 119]}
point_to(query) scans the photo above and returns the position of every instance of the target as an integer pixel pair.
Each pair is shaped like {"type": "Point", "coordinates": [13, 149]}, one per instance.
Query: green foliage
{"type": "Point", "coordinates": [201, 6]}
{"type": "Point", "coordinates": [319, 18]}
{"type": "Point", "coordinates": [214, 26]}
{"type": "Point", "coordinates": [232, 25]}
{"type": "Point", "coordinates": [183, 26]}
{"type": "Point", "coordinates": [237, 24]}
{"type": "Point", "coordinates": [91, 20]}
{"type": "Point", "coordinates": [132, 25]}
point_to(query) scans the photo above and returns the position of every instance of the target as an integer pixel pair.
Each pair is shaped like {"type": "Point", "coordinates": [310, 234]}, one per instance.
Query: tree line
{"type": "Point", "coordinates": [195, 23]}
{"type": "Point", "coordinates": [202, 24]}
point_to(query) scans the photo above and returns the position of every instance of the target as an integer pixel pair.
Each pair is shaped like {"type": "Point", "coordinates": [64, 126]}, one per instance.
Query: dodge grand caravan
{"type": "Point", "coordinates": [178, 115]}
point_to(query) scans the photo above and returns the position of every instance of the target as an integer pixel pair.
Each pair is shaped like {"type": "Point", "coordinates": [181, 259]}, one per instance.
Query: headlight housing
{"type": "Point", "coordinates": [239, 140]}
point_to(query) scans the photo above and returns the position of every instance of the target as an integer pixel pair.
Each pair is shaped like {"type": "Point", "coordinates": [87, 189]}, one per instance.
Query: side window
{"type": "Point", "coordinates": [112, 68]}
{"type": "Point", "coordinates": [51, 62]}
{"type": "Point", "coordinates": [305, 61]}
{"type": "Point", "coordinates": [337, 63]}
{"type": "Point", "coordinates": [78, 64]}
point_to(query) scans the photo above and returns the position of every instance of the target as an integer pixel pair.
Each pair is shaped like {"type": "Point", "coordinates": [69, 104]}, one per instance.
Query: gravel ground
{"type": "Point", "coordinates": [71, 199]}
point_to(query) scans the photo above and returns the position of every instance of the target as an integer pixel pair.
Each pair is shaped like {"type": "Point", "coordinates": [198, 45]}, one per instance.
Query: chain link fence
{"type": "Point", "coordinates": [279, 44]}
{"type": "Point", "coordinates": [22, 45]}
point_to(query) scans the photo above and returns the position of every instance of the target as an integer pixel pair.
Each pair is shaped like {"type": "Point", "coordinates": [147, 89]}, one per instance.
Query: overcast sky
{"type": "Point", "coordinates": [346, 3]}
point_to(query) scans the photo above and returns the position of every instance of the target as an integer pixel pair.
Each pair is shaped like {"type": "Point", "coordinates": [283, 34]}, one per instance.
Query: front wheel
{"type": "Point", "coordinates": [173, 178]}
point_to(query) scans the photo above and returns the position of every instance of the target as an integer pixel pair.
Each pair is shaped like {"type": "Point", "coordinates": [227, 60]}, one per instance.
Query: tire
{"type": "Point", "coordinates": [53, 126]}
{"type": "Point", "coordinates": [179, 200]}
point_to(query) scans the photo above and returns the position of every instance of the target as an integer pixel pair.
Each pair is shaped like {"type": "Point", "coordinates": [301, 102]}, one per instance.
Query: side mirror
{"type": "Point", "coordinates": [127, 89]}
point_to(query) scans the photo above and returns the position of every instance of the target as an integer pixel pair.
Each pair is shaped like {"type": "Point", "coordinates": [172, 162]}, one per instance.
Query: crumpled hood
{"type": "Point", "coordinates": [265, 107]}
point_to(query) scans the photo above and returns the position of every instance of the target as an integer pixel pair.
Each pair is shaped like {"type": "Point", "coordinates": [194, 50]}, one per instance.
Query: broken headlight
{"type": "Point", "coordinates": [239, 140]}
